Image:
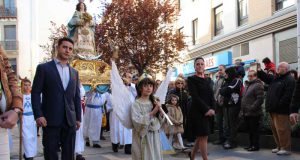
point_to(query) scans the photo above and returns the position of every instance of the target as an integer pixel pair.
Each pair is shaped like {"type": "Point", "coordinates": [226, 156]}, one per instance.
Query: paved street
{"type": "Point", "coordinates": [215, 153]}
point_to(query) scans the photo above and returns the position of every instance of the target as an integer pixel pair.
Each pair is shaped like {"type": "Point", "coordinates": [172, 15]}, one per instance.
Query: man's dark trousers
{"type": "Point", "coordinates": [56, 137]}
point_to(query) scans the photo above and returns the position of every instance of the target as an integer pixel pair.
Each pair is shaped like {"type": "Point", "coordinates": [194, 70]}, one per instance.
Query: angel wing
{"type": "Point", "coordinates": [122, 99]}
{"type": "Point", "coordinates": [162, 90]}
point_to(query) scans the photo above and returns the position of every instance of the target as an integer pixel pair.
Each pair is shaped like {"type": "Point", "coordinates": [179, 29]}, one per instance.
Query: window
{"type": "Point", "coordinates": [281, 4]}
{"type": "Point", "coordinates": [10, 37]}
{"type": "Point", "coordinates": [195, 30]}
{"type": "Point", "coordinates": [288, 50]}
{"type": "Point", "coordinates": [10, 7]}
{"type": "Point", "coordinates": [236, 51]}
{"type": "Point", "coordinates": [9, 3]}
{"type": "Point", "coordinates": [240, 50]}
{"type": "Point", "coordinates": [242, 12]}
{"type": "Point", "coordinates": [244, 49]}
{"type": "Point", "coordinates": [218, 13]}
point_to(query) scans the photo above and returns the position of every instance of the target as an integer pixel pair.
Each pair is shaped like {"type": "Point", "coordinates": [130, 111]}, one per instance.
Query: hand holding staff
{"type": "Point", "coordinates": [157, 101]}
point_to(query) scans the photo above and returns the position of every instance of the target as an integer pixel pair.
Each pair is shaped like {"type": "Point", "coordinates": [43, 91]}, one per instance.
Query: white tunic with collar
{"type": "Point", "coordinates": [29, 130]}
{"type": "Point", "coordinates": [93, 115]}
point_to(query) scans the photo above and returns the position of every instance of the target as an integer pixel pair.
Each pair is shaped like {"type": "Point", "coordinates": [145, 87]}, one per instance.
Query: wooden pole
{"type": "Point", "coordinates": [21, 138]}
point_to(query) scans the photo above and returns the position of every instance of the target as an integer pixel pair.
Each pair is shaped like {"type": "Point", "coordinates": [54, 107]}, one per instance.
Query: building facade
{"type": "Point", "coordinates": [222, 31]}
{"type": "Point", "coordinates": [8, 31]}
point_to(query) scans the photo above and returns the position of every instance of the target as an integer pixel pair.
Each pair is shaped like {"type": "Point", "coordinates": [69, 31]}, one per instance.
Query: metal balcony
{"type": "Point", "coordinates": [8, 12]}
{"type": "Point", "coordinates": [9, 45]}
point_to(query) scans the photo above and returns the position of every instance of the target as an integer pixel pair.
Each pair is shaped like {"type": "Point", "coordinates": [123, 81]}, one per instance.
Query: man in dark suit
{"type": "Point", "coordinates": [59, 112]}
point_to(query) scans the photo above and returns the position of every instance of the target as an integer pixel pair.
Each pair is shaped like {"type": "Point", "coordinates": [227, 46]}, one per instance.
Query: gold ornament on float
{"type": "Point", "coordinates": [92, 72]}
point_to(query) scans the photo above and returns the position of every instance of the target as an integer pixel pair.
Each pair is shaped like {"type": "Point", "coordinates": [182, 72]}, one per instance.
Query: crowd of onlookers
{"type": "Point", "coordinates": [239, 100]}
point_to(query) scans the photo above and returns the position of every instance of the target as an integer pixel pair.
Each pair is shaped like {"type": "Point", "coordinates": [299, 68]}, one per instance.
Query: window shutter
{"type": "Point", "coordinates": [288, 50]}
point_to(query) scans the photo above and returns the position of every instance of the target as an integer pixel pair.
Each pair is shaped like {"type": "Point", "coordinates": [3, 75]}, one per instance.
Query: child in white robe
{"type": "Point", "coordinates": [93, 117]}
{"type": "Point", "coordinates": [29, 128]}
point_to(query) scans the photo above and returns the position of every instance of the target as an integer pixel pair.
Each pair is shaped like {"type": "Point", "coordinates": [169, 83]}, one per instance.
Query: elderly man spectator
{"type": "Point", "coordinates": [251, 108]}
{"type": "Point", "coordinates": [278, 100]}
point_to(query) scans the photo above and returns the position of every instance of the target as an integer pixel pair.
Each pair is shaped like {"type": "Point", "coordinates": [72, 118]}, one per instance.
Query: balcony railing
{"type": "Point", "coordinates": [8, 12]}
{"type": "Point", "coordinates": [9, 45]}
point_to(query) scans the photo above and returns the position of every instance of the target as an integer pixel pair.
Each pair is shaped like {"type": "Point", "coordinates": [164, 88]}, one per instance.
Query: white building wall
{"type": "Point", "coordinates": [27, 39]}
{"type": "Point", "coordinates": [190, 10]}
{"type": "Point", "coordinates": [260, 48]}
{"type": "Point", "coordinates": [204, 11]}
{"type": "Point", "coordinates": [230, 16]}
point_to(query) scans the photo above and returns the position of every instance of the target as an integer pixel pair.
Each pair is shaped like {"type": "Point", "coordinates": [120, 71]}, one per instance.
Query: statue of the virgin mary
{"type": "Point", "coordinates": [81, 30]}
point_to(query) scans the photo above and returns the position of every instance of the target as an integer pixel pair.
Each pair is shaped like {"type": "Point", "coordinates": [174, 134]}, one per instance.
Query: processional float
{"type": "Point", "coordinates": [94, 73]}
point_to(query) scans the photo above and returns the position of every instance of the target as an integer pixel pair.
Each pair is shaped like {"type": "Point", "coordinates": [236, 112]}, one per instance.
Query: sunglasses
{"type": "Point", "coordinates": [179, 83]}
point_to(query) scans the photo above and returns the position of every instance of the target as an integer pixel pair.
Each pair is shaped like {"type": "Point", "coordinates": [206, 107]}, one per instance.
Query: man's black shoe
{"type": "Point", "coordinates": [30, 158]}
{"type": "Point", "coordinates": [96, 146]}
{"type": "Point", "coordinates": [127, 149]}
{"type": "Point", "coordinates": [253, 149]}
{"type": "Point", "coordinates": [115, 147]}
{"type": "Point", "coordinates": [80, 157]}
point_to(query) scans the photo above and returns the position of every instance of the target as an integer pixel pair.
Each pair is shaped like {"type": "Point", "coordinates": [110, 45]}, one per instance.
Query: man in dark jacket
{"type": "Point", "coordinates": [278, 100]}
{"type": "Point", "coordinates": [60, 111]}
{"type": "Point", "coordinates": [232, 104]}
{"type": "Point", "coordinates": [251, 108]}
